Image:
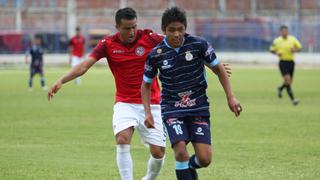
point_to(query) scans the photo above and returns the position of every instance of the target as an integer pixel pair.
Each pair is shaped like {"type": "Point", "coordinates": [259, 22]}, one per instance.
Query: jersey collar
{"type": "Point", "coordinates": [178, 48]}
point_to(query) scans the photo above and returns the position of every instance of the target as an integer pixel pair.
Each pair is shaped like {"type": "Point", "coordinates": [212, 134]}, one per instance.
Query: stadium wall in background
{"type": "Point", "coordinates": [230, 25]}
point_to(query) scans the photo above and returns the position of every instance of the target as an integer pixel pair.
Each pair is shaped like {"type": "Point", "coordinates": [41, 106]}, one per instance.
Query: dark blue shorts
{"type": "Point", "coordinates": [36, 70]}
{"type": "Point", "coordinates": [194, 129]}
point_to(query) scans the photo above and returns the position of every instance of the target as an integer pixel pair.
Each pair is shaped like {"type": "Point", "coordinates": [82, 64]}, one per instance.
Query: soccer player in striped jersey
{"type": "Point", "coordinates": [284, 47]}
{"type": "Point", "coordinates": [180, 60]}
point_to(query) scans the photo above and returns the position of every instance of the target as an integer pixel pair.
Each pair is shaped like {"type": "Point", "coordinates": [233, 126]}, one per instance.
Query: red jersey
{"type": "Point", "coordinates": [127, 64]}
{"type": "Point", "coordinates": [77, 43]}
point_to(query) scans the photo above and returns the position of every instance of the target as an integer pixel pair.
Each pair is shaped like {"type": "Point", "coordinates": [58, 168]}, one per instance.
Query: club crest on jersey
{"type": "Point", "coordinates": [188, 56]}
{"type": "Point", "coordinates": [159, 51]}
{"type": "Point", "coordinates": [140, 51]}
{"type": "Point", "coordinates": [185, 100]}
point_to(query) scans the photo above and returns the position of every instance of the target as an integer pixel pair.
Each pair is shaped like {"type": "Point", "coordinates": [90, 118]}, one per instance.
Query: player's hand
{"type": "Point", "coordinates": [54, 89]}
{"type": "Point", "coordinates": [279, 54]}
{"type": "Point", "coordinates": [294, 50]}
{"type": "Point", "coordinates": [149, 122]}
{"type": "Point", "coordinates": [234, 106]}
{"type": "Point", "coordinates": [227, 68]}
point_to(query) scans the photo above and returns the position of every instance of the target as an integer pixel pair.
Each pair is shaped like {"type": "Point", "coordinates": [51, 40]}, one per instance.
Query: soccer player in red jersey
{"type": "Point", "coordinates": [126, 52]}
{"type": "Point", "coordinates": [76, 50]}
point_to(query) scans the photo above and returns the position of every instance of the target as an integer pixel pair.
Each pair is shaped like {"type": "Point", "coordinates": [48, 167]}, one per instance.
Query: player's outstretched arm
{"type": "Point", "coordinates": [75, 72]}
{"type": "Point", "coordinates": [227, 68]}
{"type": "Point", "coordinates": [145, 96]}
{"type": "Point", "coordinates": [233, 103]}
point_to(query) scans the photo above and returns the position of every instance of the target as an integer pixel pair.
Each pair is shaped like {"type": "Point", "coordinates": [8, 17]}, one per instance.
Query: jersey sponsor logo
{"type": "Point", "coordinates": [188, 56]}
{"type": "Point", "coordinates": [185, 100]}
{"type": "Point", "coordinates": [140, 51]}
{"type": "Point", "coordinates": [118, 51]}
{"type": "Point", "coordinates": [166, 64]}
{"type": "Point", "coordinates": [199, 131]}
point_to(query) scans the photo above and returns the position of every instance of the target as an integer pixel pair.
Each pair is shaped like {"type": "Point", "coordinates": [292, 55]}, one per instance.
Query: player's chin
{"type": "Point", "coordinates": [131, 40]}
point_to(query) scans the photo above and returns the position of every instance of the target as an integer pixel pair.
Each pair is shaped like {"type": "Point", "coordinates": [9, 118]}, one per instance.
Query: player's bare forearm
{"type": "Point", "coordinates": [145, 97]}
{"type": "Point", "coordinates": [233, 103]}
{"type": "Point", "coordinates": [75, 72]}
{"type": "Point", "coordinates": [78, 70]}
{"type": "Point", "coordinates": [295, 49]}
{"type": "Point", "coordinates": [26, 59]}
{"type": "Point", "coordinates": [220, 71]}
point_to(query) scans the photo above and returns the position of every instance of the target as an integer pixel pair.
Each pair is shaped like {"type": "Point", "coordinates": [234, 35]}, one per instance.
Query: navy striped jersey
{"type": "Point", "coordinates": [36, 53]}
{"type": "Point", "coordinates": [182, 75]}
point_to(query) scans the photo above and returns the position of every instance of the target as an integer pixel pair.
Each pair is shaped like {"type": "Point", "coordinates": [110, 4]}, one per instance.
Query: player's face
{"type": "Point", "coordinates": [37, 41]}
{"type": "Point", "coordinates": [175, 32]}
{"type": "Point", "coordinates": [284, 32]}
{"type": "Point", "coordinates": [127, 29]}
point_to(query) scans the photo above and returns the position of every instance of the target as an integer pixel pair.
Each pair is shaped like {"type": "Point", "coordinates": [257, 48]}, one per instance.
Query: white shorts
{"type": "Point", "coordinates": [75, 60]}
{"type": "Point", "coordinates": [127, 115]}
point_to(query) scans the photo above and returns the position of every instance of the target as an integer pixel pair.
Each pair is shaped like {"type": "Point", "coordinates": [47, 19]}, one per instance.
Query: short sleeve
{"type": "Point", "coordinates": [99, 51]}
{"type": "Point", "coordinates": [71, 42]}
{"type": "Point", "coordinates": [273, 46]}
{"type": "Point", "coordinates": [297, 44]}
{"type": "Point", "coordinates": [150, 70]}
{"type": "Point", "coordinates": [210, 57]}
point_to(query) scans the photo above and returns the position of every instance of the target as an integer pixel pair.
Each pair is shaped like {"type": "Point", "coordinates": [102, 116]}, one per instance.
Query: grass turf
{"type": "Point", "coordinates": [71, 137]}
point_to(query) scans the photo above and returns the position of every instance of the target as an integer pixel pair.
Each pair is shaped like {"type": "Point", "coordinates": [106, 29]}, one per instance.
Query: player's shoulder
{"type": "Point", "coordinates": [107, 39]}
{"type": "Point", "coordinates": [293, 38]}
{"type": "Point", "coordinates": [158, 50]}
{"type": "Point", "coordinates": [197, 41]}
{"type": "Point", "coordinates": [149, 32]}
{"type": "Point", "coordinates": [278, 39]}
{"type": "Point", "coordinates": [153, 37]}
{"type": "Point", "coordinates": [193, 38]}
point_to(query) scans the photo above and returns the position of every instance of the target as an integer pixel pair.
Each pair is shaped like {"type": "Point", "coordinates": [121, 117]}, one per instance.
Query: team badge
{"type": "Point", "coordinates": [189, 56]}
{"type": "Point", "coordinates": [140, 51]}
{"type": "Point", "coordinates": [159, 51]}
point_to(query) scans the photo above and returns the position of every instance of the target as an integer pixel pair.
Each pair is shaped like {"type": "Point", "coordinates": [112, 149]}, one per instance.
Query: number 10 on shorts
{"type": "Point", "coordinates": [177, 128]}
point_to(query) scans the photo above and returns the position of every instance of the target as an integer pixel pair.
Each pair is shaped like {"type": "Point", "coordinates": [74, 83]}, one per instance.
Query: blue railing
{"type": "Point", "coordinates": [23, 3]}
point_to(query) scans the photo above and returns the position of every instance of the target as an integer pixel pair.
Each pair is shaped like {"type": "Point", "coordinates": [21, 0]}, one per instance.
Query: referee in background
{"type": "Point", "coordinates": [284, 47]}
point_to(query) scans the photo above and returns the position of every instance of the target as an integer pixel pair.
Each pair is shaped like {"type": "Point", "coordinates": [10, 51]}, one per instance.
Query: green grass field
{"type": "Point", "coordinates": [71, 137]}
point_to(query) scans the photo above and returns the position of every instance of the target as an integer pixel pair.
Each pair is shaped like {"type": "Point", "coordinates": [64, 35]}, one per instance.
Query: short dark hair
{"type": "Point", "coordinates": [283, 27]}
{"type": "Point", "coordinates": [125, 13]}
{"type": "Point", "coordinates": [171, 15]}
{"type": "Point", "coordinates": [78, 28]}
